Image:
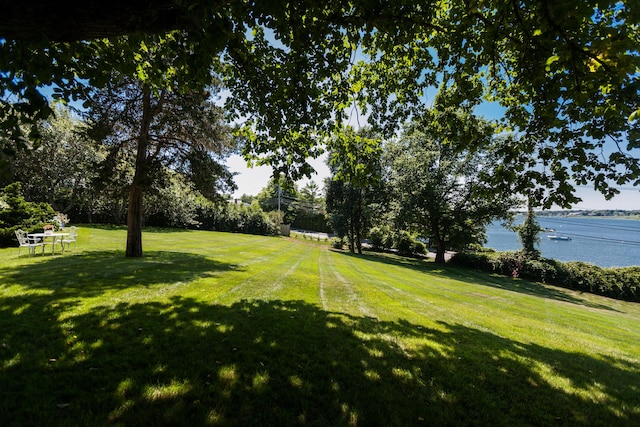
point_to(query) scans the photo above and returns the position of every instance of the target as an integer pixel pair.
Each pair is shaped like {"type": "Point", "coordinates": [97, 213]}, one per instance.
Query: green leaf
{"type": "Point", "coordinates": [550, 61]}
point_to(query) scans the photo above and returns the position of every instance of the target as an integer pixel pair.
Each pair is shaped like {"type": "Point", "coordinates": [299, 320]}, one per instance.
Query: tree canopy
{"type": "Point", "coordinates": [65, 21]}
{"type": "Point", "coordinates": [566, 73]}
{"type": "Point", "coordinates": [441, 189]}
{"type": "Point", "coordinates": [354, 188]}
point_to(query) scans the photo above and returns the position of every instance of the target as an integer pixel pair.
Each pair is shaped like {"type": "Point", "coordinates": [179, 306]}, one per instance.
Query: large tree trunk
{"type": "Point", "coordinates": [358, 220]}
{"type": "Point", "coordinates": [440, 251]}
{"type": "Point", "coordinates": [134, 222]}
{"type": "Point", "coordinates": [351, 236]}
{"type": "Point", "coordinates": [136, 192]}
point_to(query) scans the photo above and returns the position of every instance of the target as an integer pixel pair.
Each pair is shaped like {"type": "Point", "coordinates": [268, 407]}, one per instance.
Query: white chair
{"type": "Point", "coordinates": [31, 243]}
{"type": "Point", "coordinates": [71, 238]}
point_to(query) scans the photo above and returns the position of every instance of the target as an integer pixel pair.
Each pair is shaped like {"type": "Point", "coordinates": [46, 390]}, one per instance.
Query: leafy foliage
{"type": "Point", "coordinates": [62, 169]}
{"type": "Point", "coordinates": [564, 72]}
{"type": "Point", "coordinates": [174, 203]}
{"type": "Point", "coordinates": [16, 212]}
{"type": "Point", "coordinates": [354, 188]}
{"type": "Point", "coordinates": [236, 218]}
{"type": "Point", "coordinates": [279, 193]}
{"type": "Point", "coordinates": [442, 188]}
{"type": "Point", "coordinates": [308, 220]}
{"type": "Point", "coordinates": [381, 237]}
{"type": "Point", "coordinates": [310, 209]}
{"type": "Point", "coordinates": [407, 244]}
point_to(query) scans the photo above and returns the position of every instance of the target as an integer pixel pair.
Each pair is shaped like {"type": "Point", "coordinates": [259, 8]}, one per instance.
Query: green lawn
{"type": "Point", "coordinates": [228, 329]}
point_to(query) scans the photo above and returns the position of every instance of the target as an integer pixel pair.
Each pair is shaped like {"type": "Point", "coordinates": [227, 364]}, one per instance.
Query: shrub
{"type": "Point", "coordinates": [581, 276]}
{"type": "Point", "coordinates": [236, 218]}
{"type": "Point", "coordinates": [419, 248]}
{"type": "Point", "coordinates": [254, 221]}
{"type": "Point", "coordinates": [16, 212]}
{"type": "Point", "coordinates": [337, 242]}
{"type": "Point", "coordinates": [628, 279]}
{"type": "Point", "coordinates": [476, 260]}
{"type": "Point", "coordinates": [376, 236]}
{"type": "Point", "coordinates": [307, 220]}
{"type": "Point", "coordinates": [538, 271]}
{"type": "Point", "coordinates": [476, 247]}
{"type": "Point", "coordinates": [505, 263]}
{"type": "Point", "coordinates": [173, 204]}
{"type": "Point", "coordinates": [381, 238]}
{"type": "Point", "coordinates": [404, 243]}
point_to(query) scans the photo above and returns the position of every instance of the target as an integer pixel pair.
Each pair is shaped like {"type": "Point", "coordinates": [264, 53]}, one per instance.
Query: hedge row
{"type": "Point", "coordinates": [383, 238]}
{"type": "Point", "coordinates": [236, 219]}
{"type": "Point", "coordinates": [620, 282]}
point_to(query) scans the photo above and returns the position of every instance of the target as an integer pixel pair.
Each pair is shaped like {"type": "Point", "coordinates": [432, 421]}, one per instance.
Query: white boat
{"type": "Point", "coordinates": [558, 237]}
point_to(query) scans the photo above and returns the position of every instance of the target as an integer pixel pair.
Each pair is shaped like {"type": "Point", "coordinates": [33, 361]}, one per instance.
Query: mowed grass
{"type": "Point", "coordinates": [228, 329]}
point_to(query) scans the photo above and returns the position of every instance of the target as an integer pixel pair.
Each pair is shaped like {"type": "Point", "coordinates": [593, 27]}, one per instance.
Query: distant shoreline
{"type": "Point", "coordinates": [585, 213]}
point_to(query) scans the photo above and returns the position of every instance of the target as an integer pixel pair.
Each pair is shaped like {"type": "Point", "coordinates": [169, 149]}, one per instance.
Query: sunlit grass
{"type": "Point", "coordinates": [229, 329]}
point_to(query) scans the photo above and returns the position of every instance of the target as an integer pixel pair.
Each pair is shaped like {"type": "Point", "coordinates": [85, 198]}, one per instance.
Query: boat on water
{"type": "Point", "coordinates": [558, 237]}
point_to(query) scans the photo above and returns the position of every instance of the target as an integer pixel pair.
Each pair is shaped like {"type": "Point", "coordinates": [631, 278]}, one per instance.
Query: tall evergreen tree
{"type": "Point", "coordinates": [160, 127]}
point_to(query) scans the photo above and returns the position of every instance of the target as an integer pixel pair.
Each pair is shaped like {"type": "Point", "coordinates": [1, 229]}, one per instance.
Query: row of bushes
{"type": "Point", "coordinates": [237, 219]}
{"type": "Point", "coordinates": [619, 283]}
{"type": "Point", "coordinates": [383, 239]}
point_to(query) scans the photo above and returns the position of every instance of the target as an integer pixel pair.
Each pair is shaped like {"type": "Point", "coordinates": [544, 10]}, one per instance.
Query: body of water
{"type": "Point", "coordinates": [606, 242]}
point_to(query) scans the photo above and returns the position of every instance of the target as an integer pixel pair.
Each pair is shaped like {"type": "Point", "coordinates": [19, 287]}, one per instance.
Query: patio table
{"type": "Point", "coordinates": [53, 236]}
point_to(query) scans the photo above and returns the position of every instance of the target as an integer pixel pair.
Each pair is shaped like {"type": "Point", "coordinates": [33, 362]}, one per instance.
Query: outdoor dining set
{"type": "Point", "coordinates": [32, 241]}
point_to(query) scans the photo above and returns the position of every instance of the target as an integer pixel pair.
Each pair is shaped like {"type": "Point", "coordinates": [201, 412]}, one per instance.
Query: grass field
{"type": "Point", "coordinates": [227, 329]}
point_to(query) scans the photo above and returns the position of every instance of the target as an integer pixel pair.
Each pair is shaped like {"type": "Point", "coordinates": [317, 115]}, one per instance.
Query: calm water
{"type": "Point", "coordinates": [605, 242]}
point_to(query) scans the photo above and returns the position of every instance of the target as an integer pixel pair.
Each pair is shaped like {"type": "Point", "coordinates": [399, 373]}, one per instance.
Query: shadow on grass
{"type": "Point", "coordinates": [89, 274]}
{"type": "Point", "coordinates": [185, 362]}
{"type": "Point", "coordinates": [479, 278]}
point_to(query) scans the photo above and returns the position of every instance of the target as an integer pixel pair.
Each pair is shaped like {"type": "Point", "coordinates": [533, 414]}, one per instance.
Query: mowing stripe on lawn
{"type": "Point", "coordinates": [266, 272]}
{"type": "Point", "coordinates": [341, 293]}
{"type": "Point", "coordinates": [232, 329]}
{"type": "Point", "coordinates": [488, 310]}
